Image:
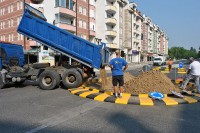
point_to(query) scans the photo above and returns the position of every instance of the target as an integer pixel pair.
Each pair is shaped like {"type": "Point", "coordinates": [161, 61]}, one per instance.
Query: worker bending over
{"type": "Point", "coordinates": [193, 73]}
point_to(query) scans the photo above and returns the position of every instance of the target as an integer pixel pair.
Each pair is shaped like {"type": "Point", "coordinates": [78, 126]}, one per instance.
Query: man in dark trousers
{"type": "Point", "coordinates": [118, 65]}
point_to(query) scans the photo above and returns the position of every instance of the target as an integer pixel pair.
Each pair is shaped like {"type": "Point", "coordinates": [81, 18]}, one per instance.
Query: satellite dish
{"type": "Point", "coordinates": [37, 1]}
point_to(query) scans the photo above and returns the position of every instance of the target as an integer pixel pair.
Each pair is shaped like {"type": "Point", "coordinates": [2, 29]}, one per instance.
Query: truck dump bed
{"type": "Point", "coordinates": [33, 25]}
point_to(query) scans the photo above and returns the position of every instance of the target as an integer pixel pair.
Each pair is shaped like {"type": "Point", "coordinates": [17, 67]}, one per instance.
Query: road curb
{"type": "Point", "coordinates": [134, 99]}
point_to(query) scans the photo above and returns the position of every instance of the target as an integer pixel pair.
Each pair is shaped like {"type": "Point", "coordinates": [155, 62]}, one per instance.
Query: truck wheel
{"type": "Point", "coordinates": [71, 78]}
{"type": "Point", "coordinates": [1, 82]}
{"type": "Point", "coordinates": [57, 79]}
{"type": "Point", "coordinates": [48, 80]}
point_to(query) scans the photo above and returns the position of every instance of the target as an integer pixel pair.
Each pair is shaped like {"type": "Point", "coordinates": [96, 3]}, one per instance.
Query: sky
{"type": "Point", "coordinates": [179, 19]}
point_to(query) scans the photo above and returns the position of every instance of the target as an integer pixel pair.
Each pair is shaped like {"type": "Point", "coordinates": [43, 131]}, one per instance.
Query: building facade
{"type": "Point", "coordinates": [118, 23]}
{"type": "Point", "coordinates": [110, 23]}
{"type": "Point", "coordinates": [10, 15]}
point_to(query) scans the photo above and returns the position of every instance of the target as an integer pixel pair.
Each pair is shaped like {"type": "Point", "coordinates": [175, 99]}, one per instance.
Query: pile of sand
{"type": "Point", "coordinates": [145, 82]}
{"type": "Point", "coordinates": [127, 77]}
{"type": "Point", "coordinates": [150, 81]}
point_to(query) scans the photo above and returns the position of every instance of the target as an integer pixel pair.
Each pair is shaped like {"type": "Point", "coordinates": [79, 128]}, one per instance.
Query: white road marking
{"type": "Point", "coordinates": [69, 114]}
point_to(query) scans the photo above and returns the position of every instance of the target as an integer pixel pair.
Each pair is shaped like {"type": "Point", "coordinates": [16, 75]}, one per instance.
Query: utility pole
{"type": "Point", "coordinates": [24, 36]}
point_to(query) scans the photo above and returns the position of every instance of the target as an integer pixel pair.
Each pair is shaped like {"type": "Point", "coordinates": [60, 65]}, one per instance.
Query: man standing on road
{"type": "Point", "coordinates": [193, 73]}
{"type": "Point", "coordinates": [170, 62]}
{"type": "Point", "coordinates": [118, 65]}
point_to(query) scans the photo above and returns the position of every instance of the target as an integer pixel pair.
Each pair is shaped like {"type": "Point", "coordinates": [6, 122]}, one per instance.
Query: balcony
{"type": "Point", "coordinates": [92, 33]}
{"type": "Point", "coordinates": [111, 33]}
{"type": "Point", "coordinates": [111, 21]}
{"type": "Point", "coordinates": [111, 9]}
{"type": "Point", "coordinates": [67, 12]}
{"type": "Point", "coordinates": [112, 45]}
{"type": "Point", "coordinates": [68, 27]}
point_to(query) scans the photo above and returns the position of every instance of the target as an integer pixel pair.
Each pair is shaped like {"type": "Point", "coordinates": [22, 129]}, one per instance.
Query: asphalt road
{"type": "Point", "coordinates": [29, 109]}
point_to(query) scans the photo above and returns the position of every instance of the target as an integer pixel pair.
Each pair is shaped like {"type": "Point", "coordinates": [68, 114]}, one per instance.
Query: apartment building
{"type": "Point", "coordinates": [137, 31]}
{"type": "Point", "coordinates": [10, 16]}
{"type": "Point", "coordinates": [154, 40]}
{"type": "Point", "coordinates": [75, 16]}
{"type": "Point", "coordinates": [118, 23]}
{"type": "Point", "coordinates": [110, 22]}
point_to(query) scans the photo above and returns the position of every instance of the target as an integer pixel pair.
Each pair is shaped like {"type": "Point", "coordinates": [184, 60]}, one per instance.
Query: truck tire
{"type": "Point", "coordinates": [57, 79]}
{"type": "Point", "coordinates": [1, 82]}
{"type": "Point", "coordinates": [71, 78]}
{"type": "Point", "coordinates": [48, 80]}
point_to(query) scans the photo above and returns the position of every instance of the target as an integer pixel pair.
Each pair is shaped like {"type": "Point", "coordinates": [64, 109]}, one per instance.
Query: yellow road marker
{"type": "Point", "coordinates": [75, 91]}
{"type": "Point", "coordinates": [85, 94]}
{"type": "Point", "coordinates": [145, 100]}
{"type": "Point", "coordinates": [101, 97]}
{"type": "Point", "coordinates": [189, 99]}
{"type": "Point", "coordinates": [164, 71]}
{"type": "Point", "coordinates": [197, 95]}
{"type": "Point", "coordinates": [124, 99]}
{"type": "Point", "coordinates": [169, 101]}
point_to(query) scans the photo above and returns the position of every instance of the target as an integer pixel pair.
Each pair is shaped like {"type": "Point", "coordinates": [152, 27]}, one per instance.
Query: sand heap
{"type": "Point", "coordinates": [150, 81]}
{"type": "Point", "coordinates": [127, 77]}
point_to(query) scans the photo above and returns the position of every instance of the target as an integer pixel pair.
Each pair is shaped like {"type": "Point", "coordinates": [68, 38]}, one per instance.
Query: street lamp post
{"type": "Point", "coordinates": [138, 55]}
{"type": "Point", "coordinates": [24, 36]}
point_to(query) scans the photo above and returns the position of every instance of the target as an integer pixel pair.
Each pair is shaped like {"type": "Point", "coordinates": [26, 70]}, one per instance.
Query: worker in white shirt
{"type": "Point", "coordinates": [192, 73]}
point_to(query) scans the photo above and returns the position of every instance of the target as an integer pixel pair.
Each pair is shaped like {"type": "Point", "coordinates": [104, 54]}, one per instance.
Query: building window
{"type": "Point", "coordinates": [3, 12]}
{"type": "Point", "coordinates": [18, 19]}
{"type": "Point", "coordinates": [80, 23]}
{"type": "Point", "coordinates": [92, 14]}
{"type": "Point", "coordinates": [84, 36]}
{"type": "Point", "coordinates": [18, 3]}
{"type": "Point", "coordinates": [12, 37]}
{"type": "Point", "coordinates": [18, 36]}
{"type": "Point", "coordinates": [84, 24]}
{"type": "Point", "coordinates": [80, 10]}
{"type": "Point", "coordinates": [81, 35]}
{"type": "Point", "coordinates": [8, 23]}
{"type": "Point", "coordinates": [11, 22]}
{"type": "Point", "coordinates": [61, 3]}
{"type": "Point", "coordinates": [84, 11]}
{"type": "Point", "coordinates": [3, 24]}
{"type": "Point", "coordinates": [21, 37]}
{"type": "Point", "coordinates": [9, 37]}
{"type": "Point", "coordinates": [21, 5]}
{"type": "Point", "coordinates": [11, 8]}
{"type": "Point", "coordinates": [2, 38]}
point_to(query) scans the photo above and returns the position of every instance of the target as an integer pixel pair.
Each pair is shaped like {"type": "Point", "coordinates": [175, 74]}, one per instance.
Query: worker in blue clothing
{"type": "Point", "coordinates": [118, 65]}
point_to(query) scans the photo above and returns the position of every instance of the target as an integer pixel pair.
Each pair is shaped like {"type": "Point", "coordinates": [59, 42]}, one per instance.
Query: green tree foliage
{"type": "Point", "coordinates": [180, 52]}
{"type": "Point", "coordinates": [199, 53]}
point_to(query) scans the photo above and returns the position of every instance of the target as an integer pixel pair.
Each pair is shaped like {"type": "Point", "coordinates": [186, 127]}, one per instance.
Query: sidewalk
{"type": "Point", "coordinates": [133, 64]}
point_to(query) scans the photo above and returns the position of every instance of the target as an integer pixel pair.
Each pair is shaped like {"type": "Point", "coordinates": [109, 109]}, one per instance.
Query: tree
{"type": "Point", "coordinates": [180, 52]}
{"type": "Point", "coordinates": [199, 53]}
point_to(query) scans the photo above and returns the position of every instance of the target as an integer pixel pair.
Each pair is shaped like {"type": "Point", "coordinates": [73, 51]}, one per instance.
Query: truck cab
{"type": "Point", "coordinates": [159, 61]}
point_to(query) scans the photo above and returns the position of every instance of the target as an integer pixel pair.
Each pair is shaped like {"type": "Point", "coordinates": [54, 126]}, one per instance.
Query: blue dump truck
{"type": "Point", "coordinates": [78, 57]}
